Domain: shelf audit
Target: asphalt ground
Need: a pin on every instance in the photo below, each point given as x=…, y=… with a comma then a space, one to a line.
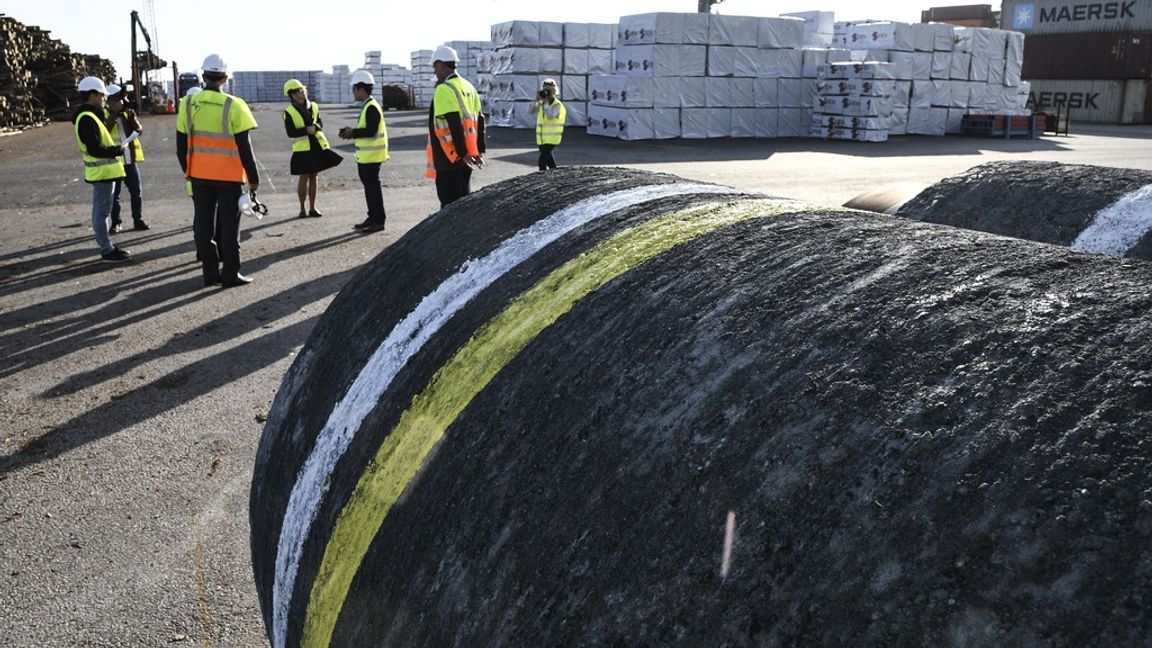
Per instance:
x=132, y=398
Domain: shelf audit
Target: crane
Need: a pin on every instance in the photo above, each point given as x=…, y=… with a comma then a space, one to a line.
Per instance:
x=143, y=61
x=705, y=6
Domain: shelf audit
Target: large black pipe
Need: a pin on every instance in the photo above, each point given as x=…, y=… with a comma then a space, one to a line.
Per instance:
x=783, y=426
x=1105, y=210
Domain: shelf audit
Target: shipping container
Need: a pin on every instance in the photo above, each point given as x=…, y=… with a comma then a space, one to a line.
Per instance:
x=1075, y=16
x=1093, y=100
x=1103, y=55
x=965, y=15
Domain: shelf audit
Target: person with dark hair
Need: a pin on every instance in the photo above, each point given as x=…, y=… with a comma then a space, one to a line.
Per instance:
x=215, y=153
x=103, y=166
x=550, y=117
x=456, y=142
x=371, y=138
x=122, y=122
x=311, y=152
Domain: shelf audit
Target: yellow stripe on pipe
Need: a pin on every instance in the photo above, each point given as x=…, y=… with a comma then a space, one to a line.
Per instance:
x=455, y=384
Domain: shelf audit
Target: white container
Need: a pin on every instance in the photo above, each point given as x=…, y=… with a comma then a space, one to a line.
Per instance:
x=650, y=28
x=738, y=31
x=621, y=91
x=516, y=33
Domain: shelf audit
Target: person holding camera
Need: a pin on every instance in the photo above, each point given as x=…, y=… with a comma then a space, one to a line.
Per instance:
x=122, y=122
x=550, y=116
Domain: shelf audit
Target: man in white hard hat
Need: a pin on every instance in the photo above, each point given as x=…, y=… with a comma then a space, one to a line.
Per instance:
x=213, y=149
x=550, y=117
x=122, y=122
x=455, y=129
x=103, y=163
x=371, y=137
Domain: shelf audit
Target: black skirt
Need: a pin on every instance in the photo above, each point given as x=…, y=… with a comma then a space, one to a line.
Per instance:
x=314, y=160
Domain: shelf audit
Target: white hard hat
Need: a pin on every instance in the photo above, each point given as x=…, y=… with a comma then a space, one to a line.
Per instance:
x=214, y=64
x=92, y=83
x=445, y=53
x=191, y=91
x=548, y=81
x=363, y=76
x=113, y=89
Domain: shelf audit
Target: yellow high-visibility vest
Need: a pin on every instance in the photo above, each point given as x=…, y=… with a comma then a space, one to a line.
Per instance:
x=97, y=169
x=550, y=122
x=375, y=148
x=301, y=143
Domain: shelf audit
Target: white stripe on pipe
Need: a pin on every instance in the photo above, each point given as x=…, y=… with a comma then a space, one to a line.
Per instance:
x=1118, y=228
x=404, y=341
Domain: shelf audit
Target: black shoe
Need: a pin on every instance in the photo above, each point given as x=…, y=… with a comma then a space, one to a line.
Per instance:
x=302, y=214
x=116, y=228
x=140, y=226
x=312, y=213
x=238, y=280
x=212, y=281
x=369, y=226
x=116, y=256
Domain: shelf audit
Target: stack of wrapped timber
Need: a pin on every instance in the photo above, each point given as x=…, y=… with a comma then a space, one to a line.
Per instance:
x=38, y=76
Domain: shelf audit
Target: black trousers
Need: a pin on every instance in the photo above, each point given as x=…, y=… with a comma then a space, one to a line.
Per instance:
x=373, y=194
x=452, y=185
x=546, y=160
x=217, y=213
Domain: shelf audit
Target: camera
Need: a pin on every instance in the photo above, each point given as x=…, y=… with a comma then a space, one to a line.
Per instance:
x=543, y=94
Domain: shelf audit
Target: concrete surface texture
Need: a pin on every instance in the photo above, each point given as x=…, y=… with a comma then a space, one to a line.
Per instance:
x=132, y=398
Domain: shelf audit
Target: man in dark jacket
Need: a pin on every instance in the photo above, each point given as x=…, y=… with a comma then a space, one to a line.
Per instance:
x=103, y=163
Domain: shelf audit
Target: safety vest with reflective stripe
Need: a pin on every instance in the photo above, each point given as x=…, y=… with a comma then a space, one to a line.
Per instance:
x=454, y=94
x=137, y=149
x=371, y=149
x=550, y=122
x=98, y=169
x=301, y=143
x=212, y=120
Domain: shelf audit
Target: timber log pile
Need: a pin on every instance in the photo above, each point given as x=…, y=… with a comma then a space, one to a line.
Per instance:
x=38, y=76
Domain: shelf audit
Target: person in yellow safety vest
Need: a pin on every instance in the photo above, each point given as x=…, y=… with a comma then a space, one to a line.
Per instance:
x=215, y=153
x=180, y=107
x=371, y=139
x=122, y=122
x=550, y=116
x=456, y=142
x=311, y=152
x=103, y=165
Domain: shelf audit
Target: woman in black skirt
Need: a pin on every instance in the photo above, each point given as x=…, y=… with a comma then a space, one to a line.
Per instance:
x=310, y=151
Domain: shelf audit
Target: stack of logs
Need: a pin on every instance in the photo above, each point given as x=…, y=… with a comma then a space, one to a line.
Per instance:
x=38, y=76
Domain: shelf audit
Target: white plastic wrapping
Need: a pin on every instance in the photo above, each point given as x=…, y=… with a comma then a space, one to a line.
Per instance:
x=746, y=62
x=941, y=65
x=791, y=95
x=882, y=36
x=621, y=91
x=923, y=37
x=943, y=36
x=693, y=61
x=902, y=96
x=961, y=61
x=813, y=58
x=574, y=87
x=958, y=98
x=739, y=31
x=743, y=122
x=718, y=122
x=514, y=87
x=623, y=123
x=517, y=60
x=941, y=93
x=1012, y=69
x=697, y=27
x=516, y=33
x=978, y=96
x=721, y=61
x=693, y=93
x=718, y=91
x=818, y=27
x=791, y=123
x=513, y=114
x=694, y=123
x=904, y=65
x=552, y=60
x=577, y=114
x=551, y=34
x=601, y=35
x=575, y=61
x=953, y=123
x=849, y=121
x=765, y=125
x=963, y=39
x=576, y=35
x=780, y=33
x=808, y=93
x=666, y=123
x=978, y=68
x=923, y=92
x=766, y=92
x=927, y=121
x=601, y=61
x=743, y=93
x=650, y=28
x=898, y=122
x=1014, y=48
x=996, y=72
x=648, y=60
x=666, y=92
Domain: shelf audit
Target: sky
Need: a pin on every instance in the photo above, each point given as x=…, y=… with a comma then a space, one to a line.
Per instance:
x=256, y=36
